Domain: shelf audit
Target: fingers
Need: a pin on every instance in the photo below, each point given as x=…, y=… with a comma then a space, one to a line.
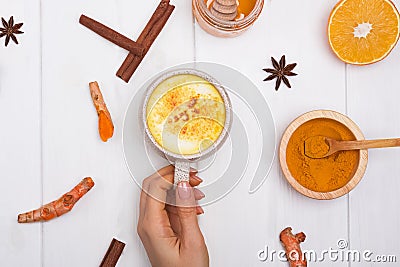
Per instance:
x=173, y=210
x=146, y=184
x=186, y=207
x=157, y=196
x=199, y=210
x=174, y=221
x=154, y=190
x=194, y=180
x=198, y=195
x=163, y=171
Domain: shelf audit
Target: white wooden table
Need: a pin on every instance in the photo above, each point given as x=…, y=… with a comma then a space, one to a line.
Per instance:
x=49, y=141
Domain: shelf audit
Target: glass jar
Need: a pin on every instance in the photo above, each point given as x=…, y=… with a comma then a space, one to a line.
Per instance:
x=223, y=28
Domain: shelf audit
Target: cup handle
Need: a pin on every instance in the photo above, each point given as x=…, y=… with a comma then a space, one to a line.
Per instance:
x=182, y=169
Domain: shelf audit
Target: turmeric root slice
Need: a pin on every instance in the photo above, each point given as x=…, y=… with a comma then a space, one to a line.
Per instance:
x=106, y=126
x=58, y=207
x=291, y=244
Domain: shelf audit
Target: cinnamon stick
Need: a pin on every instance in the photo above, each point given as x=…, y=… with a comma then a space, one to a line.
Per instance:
x=146, y=38
x=112, y=36
x=113, y=253
x=157, y=14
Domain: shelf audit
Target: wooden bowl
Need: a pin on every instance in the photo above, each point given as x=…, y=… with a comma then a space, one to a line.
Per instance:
x=323, y=114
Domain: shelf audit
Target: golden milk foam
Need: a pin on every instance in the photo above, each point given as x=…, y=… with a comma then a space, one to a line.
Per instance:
x=185, y=114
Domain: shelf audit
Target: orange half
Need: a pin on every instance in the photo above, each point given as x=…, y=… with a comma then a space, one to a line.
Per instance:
x=363, y=31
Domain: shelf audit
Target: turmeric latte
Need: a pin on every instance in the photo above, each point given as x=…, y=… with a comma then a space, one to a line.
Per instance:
x=322, y=174
x=185, y=114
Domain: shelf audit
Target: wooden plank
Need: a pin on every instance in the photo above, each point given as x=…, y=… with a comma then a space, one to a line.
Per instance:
x=74, y=56
x=373, y=104
x=20, y=136
x=246, y=223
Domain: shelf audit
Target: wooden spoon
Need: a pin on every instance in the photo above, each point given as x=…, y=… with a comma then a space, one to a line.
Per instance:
x=224, y=9
x=320, y=146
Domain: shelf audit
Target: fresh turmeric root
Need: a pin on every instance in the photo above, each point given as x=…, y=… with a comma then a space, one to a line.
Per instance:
x=58, y=207
x=106, y=126
x=291, y=244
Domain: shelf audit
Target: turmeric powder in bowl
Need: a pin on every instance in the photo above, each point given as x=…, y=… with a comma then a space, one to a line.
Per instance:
x=326, y=178
x=325, y=174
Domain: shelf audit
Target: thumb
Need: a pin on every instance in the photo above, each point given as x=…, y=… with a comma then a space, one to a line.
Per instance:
x=186, y=207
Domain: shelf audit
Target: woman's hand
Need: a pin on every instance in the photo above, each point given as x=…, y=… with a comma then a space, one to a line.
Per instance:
x=171, y=233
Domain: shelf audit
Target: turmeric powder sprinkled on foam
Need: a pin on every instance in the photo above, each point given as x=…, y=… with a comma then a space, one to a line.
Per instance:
x=325, y=174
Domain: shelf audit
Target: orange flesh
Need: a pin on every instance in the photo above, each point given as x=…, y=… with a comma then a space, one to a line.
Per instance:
x=363, y=31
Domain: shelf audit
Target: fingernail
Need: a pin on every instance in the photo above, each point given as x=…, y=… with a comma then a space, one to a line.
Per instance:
x=198, y=194
x=184, y=190
x=193, y=169
x=202, y=195
x=199, y=210
x=197, y=178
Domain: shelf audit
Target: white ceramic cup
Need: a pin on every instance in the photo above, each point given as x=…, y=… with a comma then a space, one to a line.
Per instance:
x=182, y=162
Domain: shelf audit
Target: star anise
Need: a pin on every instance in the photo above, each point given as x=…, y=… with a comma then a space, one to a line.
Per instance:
x=10, y=30
x=280, y=71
